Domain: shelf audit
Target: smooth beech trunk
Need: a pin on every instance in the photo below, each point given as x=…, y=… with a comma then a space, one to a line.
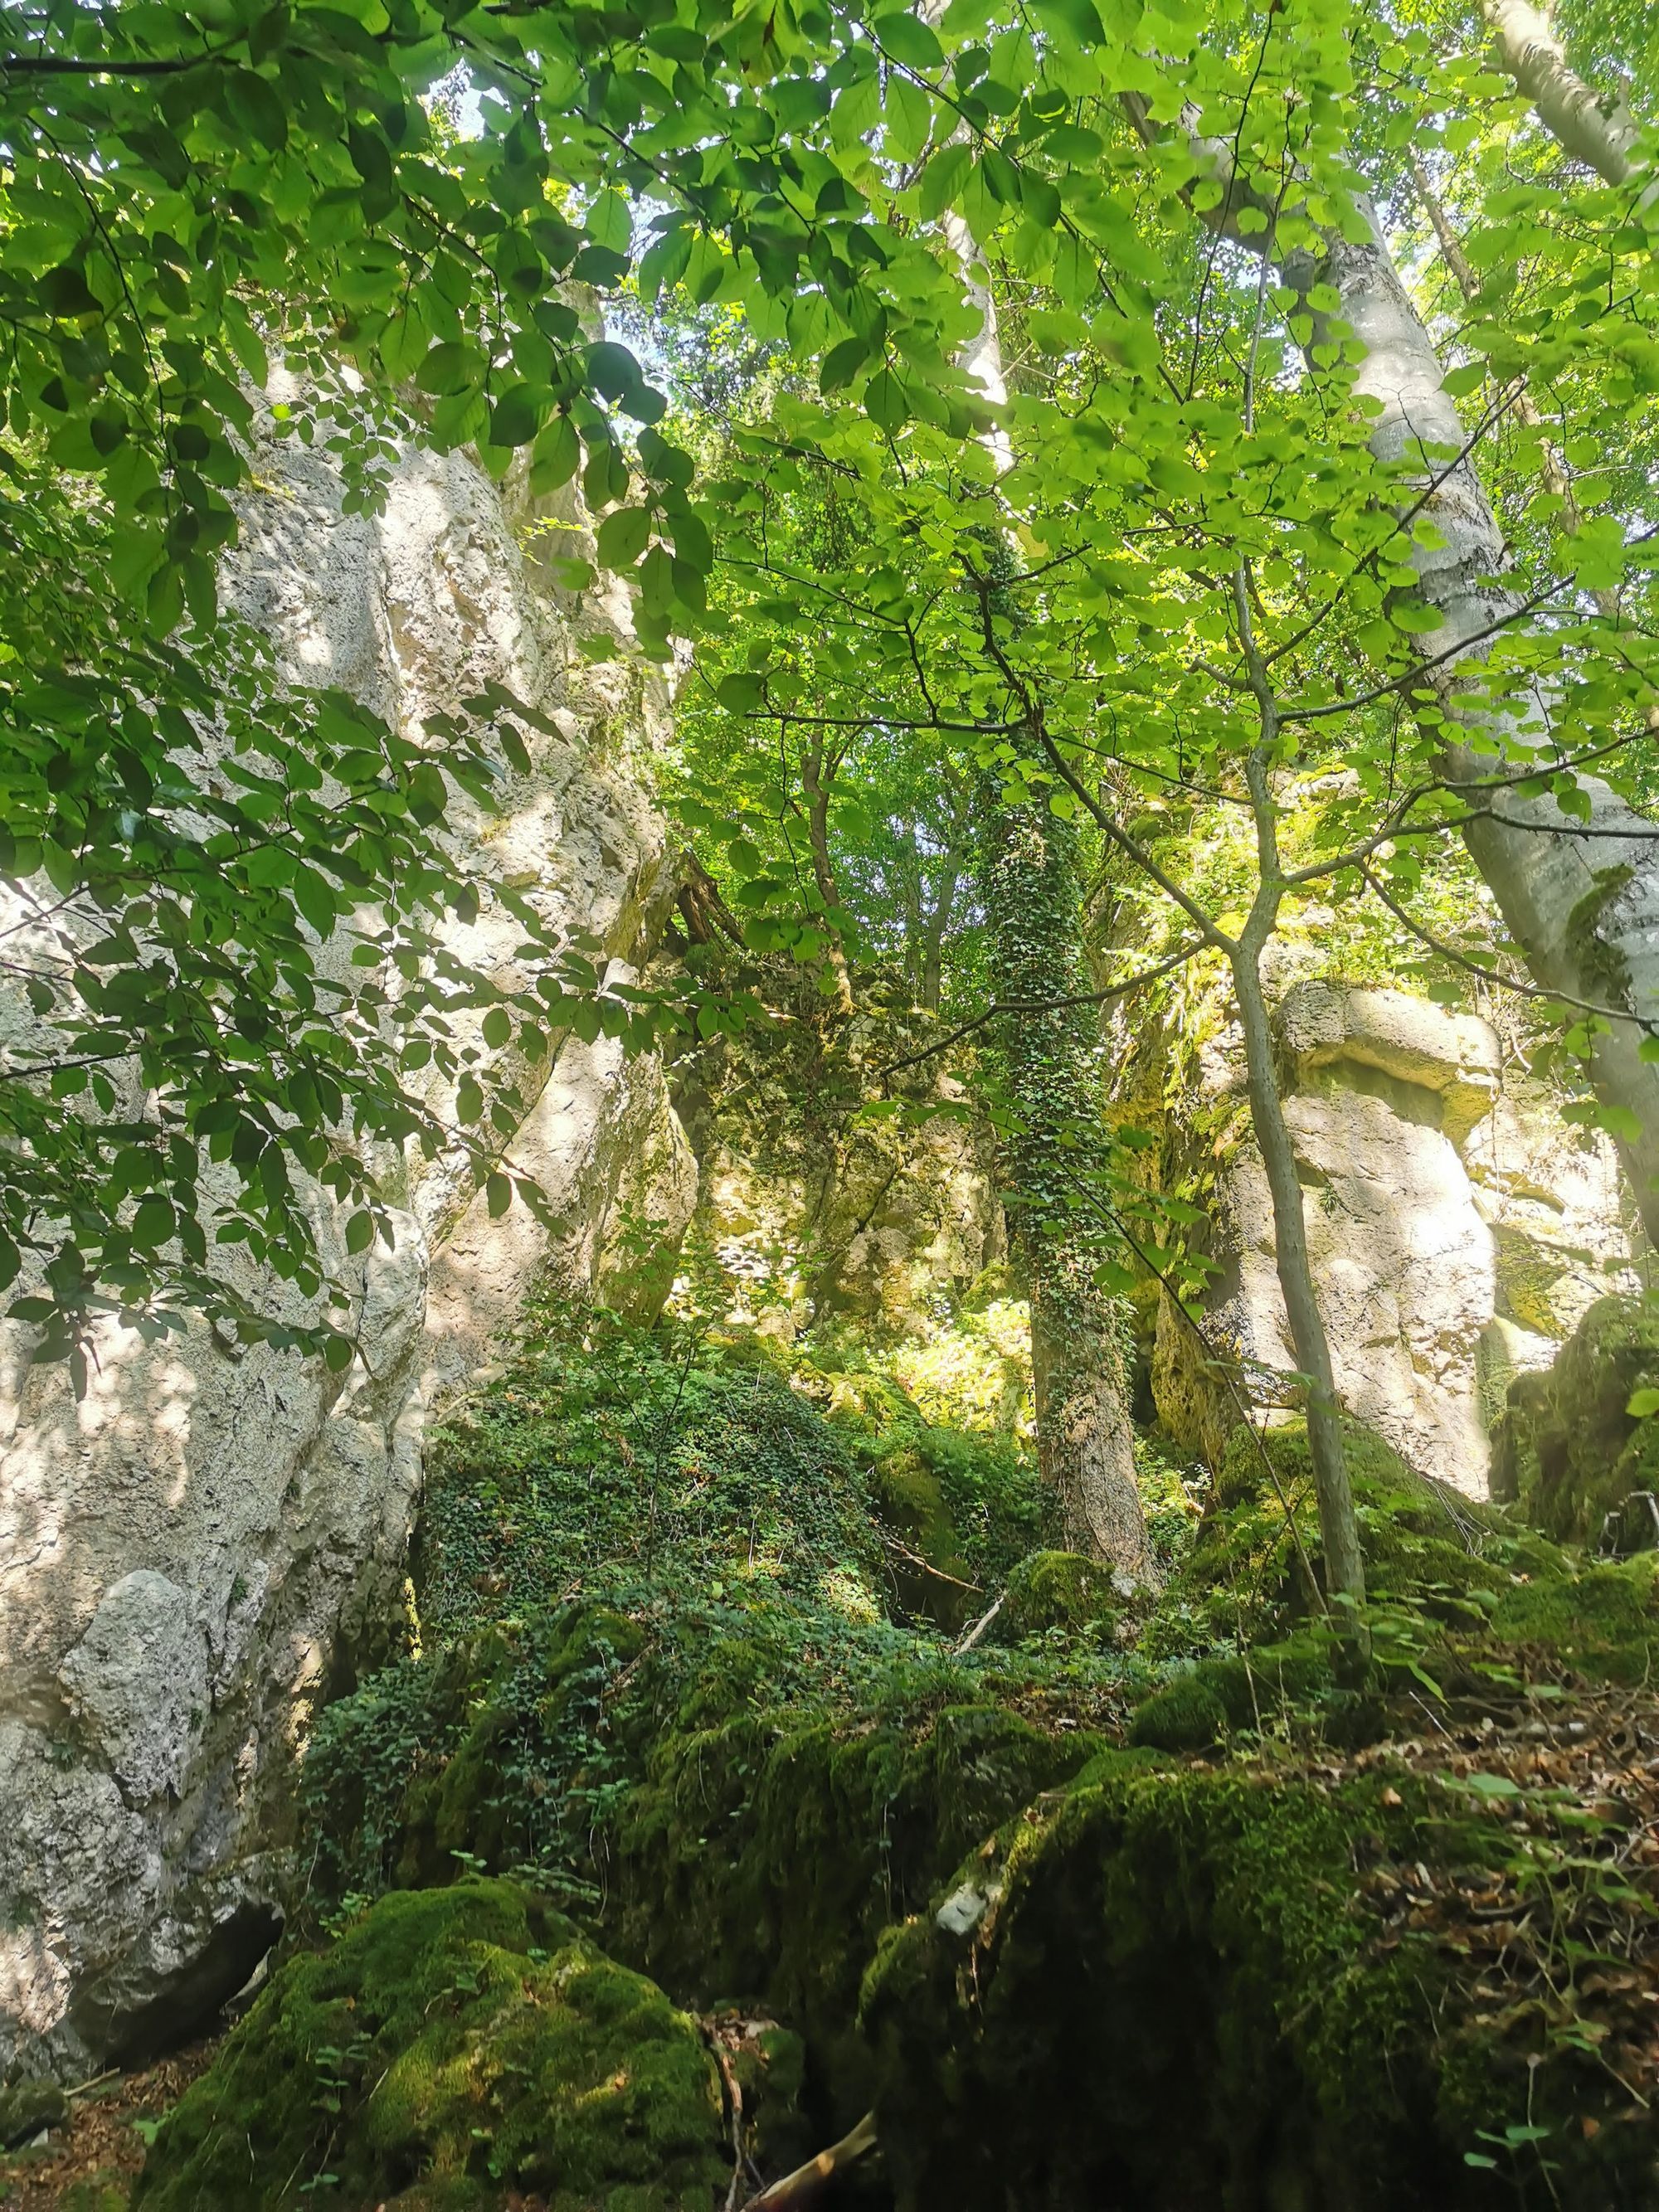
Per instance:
x=1583, y=907
x=1598, y=132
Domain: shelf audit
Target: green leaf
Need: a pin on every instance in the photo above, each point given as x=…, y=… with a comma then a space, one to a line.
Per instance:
x=1643, y=1404
x=741, y=691
x=907, y=40
x=154, y=1222
x=498, y=1195
x=517, y=414
x=1460, y=382
x=622, y=536
x=942, y=179
x=360, y=1231
x=885, y=401
x=554, y=456
x=610, y=224
x=843, y=363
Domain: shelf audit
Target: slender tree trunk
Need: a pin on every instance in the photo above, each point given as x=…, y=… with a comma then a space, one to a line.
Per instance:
x=824, y=873
x=1055, y=1146
x=1339, y=1526
x=933, y=940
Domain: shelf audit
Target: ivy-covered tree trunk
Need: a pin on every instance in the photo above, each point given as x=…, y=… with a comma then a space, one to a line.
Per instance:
x=1056, y=1146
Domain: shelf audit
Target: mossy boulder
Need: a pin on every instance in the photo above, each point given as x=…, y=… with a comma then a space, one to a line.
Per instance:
x=1424, y=1542
x=765, y=1865
x=1601, y=1621
x=460, y=2046
x=1246, y=1690
x=1185, y=1715
x=1171, y=1987
x=1565, y=1448
x=26, y=2107
x=1060, y=1590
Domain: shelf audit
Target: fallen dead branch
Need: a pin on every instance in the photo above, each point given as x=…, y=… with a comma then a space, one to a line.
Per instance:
x=807, y=2183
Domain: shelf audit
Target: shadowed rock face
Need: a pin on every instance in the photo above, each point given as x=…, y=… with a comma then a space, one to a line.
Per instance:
x=196, y=1553
x=1458, y=1230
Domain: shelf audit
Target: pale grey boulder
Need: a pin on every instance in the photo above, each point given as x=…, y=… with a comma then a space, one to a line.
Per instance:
x=1457, y=1226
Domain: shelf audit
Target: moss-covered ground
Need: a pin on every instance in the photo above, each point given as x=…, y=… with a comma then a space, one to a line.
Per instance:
x=1112, y=1898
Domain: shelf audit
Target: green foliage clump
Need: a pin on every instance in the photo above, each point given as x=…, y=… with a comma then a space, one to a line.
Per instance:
x=466, y=2043
x=608, y=1456
x=717, y=1543
x=970, y=1506
x=1060, y=1590
x=500, y=1751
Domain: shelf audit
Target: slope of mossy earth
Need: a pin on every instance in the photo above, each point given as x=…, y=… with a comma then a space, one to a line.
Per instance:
x=1108, y=1900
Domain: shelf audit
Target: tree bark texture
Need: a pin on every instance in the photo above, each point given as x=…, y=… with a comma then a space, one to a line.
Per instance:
x=1583, y=908
x=1338, y=1528
x=817, y=793
x=1027, y=880
x=1598, y=132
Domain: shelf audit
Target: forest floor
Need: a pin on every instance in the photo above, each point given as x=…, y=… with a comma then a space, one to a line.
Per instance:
x=88, y=2164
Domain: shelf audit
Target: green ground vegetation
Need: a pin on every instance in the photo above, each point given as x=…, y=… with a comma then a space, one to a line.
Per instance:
x=672, y=1684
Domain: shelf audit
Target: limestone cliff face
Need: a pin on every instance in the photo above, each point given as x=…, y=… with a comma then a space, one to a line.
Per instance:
x=190, y=1555
x=1458, y=1229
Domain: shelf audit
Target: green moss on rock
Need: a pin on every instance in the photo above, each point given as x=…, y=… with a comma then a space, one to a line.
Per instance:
x=1058, y=1591
x=1166, y=1988
x=1565, y=1448
x=26, y=2107
x=1253, y=1690
x=456, y=2045
x=1602, y=1621
x=1425, y=1544
x=1185, y=1715
x=767, y=1866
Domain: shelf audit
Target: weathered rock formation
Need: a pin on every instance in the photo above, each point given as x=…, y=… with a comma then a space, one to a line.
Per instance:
x=191, y=1556
x=828, y=1188
x=1458, y=1228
